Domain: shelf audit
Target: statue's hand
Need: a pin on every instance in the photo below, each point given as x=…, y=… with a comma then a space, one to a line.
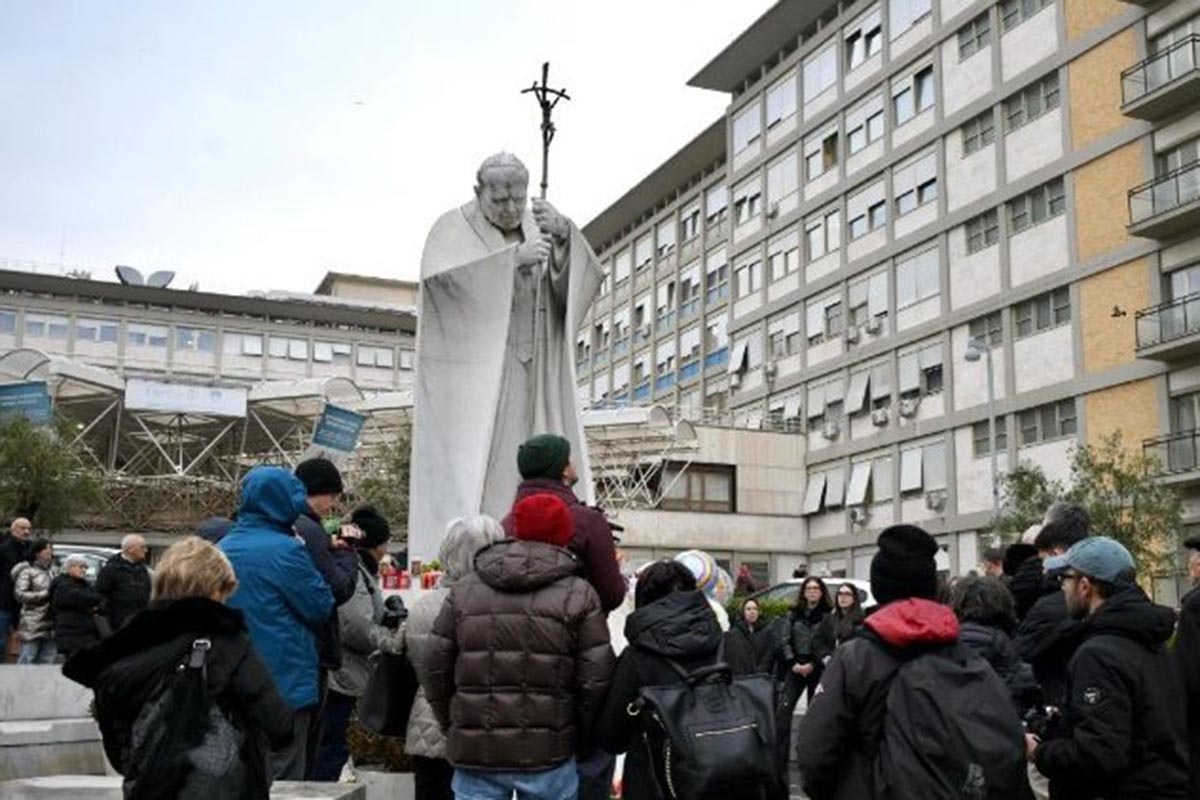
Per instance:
x=550, y=221
x=534, y=251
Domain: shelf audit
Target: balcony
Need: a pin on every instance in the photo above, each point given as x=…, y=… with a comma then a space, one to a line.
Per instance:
x=666, y=321
x=641, y=392
x=1167, y=205
x=1164, y=83
x=664, y=382
x=1177, y=454
x=689, y=308
x=689, y=370
x=1171, y=331
x=717, y=358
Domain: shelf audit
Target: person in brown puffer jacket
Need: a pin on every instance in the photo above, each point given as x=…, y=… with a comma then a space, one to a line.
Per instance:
x=520, y=661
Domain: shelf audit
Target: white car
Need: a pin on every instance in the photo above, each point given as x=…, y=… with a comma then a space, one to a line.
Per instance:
x=96, y=556
x=789, y=590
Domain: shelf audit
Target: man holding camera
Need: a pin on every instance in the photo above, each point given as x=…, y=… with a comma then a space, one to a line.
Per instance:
x=1121, y=733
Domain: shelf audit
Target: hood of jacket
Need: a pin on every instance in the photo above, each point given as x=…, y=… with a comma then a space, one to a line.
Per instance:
x=518, y=566
x=273, y=496
x=914, y=623
x=1130, y=614
x=681, y=625
x=159, y=623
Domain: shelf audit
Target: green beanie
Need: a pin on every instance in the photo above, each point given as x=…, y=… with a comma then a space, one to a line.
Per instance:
x=543, y=456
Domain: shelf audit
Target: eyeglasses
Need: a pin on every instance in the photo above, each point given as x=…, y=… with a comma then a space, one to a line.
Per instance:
x=1063, y=577
x=845, y=594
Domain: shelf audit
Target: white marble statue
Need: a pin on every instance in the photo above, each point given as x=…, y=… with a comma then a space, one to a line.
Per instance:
x=504, y=289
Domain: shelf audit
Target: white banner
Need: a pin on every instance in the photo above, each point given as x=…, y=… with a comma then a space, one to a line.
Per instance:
x=183, y=398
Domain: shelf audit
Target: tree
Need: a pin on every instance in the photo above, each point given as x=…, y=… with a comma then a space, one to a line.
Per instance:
x=383, y=481
x=41, y=478
x=1117, y=488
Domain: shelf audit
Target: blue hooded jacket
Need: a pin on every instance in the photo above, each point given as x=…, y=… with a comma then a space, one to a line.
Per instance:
x=280, y=592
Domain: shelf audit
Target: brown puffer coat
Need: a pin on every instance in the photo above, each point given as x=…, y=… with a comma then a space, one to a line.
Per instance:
x=520, y=661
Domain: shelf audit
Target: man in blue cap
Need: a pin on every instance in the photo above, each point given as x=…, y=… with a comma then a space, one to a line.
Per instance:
x=1122, y=731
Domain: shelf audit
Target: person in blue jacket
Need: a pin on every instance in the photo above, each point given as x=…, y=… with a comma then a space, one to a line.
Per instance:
x=283, y=597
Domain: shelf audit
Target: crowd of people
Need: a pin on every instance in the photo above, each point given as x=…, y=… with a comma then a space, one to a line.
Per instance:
x=1051, y=674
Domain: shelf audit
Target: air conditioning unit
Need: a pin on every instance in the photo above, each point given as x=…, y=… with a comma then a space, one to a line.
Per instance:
x=830, y=429
x=874, y=326
x=851, y=335
x=879, y=417
x=735, y=380
x=908, y=407
x=858, y=515
x=935, y=500
x=770, y=370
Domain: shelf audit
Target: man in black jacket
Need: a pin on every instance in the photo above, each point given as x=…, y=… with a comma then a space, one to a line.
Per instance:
x=1043, y=638
x=1187, y=646
x=124, y=582
x=14, y=549
x=338, y=565
x=1122, y=724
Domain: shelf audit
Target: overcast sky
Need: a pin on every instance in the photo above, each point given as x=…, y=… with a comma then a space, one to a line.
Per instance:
x=255, y=145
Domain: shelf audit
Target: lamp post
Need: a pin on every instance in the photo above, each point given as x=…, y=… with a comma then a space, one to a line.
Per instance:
x=978, y=348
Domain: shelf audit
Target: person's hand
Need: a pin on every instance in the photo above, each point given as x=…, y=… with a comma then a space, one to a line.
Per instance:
x=805, y=670
x=1031, y=745
x=534, y=252
x=549, y=220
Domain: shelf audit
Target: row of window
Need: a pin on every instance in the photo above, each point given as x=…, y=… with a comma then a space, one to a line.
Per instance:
x=1035, y=425
x=871, y=481
x=202, y=340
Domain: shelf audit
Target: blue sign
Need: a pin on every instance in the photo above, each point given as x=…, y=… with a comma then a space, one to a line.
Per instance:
x=338, y=429
x=30, y=400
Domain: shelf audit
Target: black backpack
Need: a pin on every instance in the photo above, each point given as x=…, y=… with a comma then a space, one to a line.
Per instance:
x=710, y=734
x=950, y=733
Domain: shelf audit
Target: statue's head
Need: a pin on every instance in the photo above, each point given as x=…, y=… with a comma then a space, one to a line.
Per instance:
x=501, y=187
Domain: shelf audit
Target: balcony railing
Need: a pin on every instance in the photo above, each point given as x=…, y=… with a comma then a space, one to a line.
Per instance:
x=1176, y=452
x=689, y=308
x=1160, y=69
x=664, y=382
x=689, y=370
x=641, y=391
x=666, y=321
x=717, y=358
x=716, y=294
x=1169, y=321
x=1164, y=194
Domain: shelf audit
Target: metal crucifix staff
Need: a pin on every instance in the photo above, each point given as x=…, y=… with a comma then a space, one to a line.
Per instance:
x=547, y=98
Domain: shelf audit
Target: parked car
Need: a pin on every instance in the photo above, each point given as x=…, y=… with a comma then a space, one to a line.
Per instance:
x=96, y=556
x=789, y=590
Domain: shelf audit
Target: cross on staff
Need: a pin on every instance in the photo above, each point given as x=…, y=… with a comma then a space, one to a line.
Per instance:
x=547, y=98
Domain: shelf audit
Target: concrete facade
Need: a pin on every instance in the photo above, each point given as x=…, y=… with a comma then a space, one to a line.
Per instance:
x=1023, y=207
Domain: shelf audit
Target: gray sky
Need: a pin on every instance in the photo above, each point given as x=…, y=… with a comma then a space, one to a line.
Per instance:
x=254, y=145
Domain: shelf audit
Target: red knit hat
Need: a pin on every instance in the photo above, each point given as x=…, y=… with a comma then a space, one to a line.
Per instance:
x=543, y=518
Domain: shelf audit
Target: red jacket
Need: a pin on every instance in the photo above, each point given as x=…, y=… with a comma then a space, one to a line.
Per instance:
x=593, y=542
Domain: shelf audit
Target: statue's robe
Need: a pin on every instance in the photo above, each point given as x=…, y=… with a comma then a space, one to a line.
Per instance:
x=495, y=365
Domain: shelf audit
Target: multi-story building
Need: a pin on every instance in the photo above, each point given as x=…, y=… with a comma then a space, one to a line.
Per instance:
x=895, y=186
x=146, y=331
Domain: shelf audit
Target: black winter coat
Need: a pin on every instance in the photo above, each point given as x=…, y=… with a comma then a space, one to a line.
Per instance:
x=997, y=648
x=126, y=668
x=12, y=552
x=1123, y=726
x=680, y=628
x=1027, y=585
x=839, y=734
x=758, y=647
x=800, y=646
x=833, y=631
x=1187, y=647
x=1045, y=642
x=125, y=587
x=75, y=605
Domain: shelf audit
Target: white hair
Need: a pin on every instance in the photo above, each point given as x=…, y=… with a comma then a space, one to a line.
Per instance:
x=501, y=160
x=131, y=540
x=464, y=538
x=73, y=559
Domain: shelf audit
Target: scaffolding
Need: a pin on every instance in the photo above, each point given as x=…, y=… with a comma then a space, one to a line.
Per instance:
x=629, y=447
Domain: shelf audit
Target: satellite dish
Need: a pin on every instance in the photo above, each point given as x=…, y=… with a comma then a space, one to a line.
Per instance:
x=130, y=276
x=161, y=279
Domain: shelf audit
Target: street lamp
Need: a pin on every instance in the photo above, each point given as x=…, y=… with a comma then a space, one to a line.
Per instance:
x=978, y=348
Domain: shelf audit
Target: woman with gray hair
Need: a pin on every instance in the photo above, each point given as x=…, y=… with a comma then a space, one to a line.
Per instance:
x=426, y=741
x=76, y=607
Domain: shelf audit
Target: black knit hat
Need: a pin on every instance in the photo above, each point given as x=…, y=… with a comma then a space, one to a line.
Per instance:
x=375, y=528
x=543, y=456
x=319, y=476
x=904, y=567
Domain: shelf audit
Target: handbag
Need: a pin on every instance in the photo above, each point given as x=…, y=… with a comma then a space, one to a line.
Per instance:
x=388, y=698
